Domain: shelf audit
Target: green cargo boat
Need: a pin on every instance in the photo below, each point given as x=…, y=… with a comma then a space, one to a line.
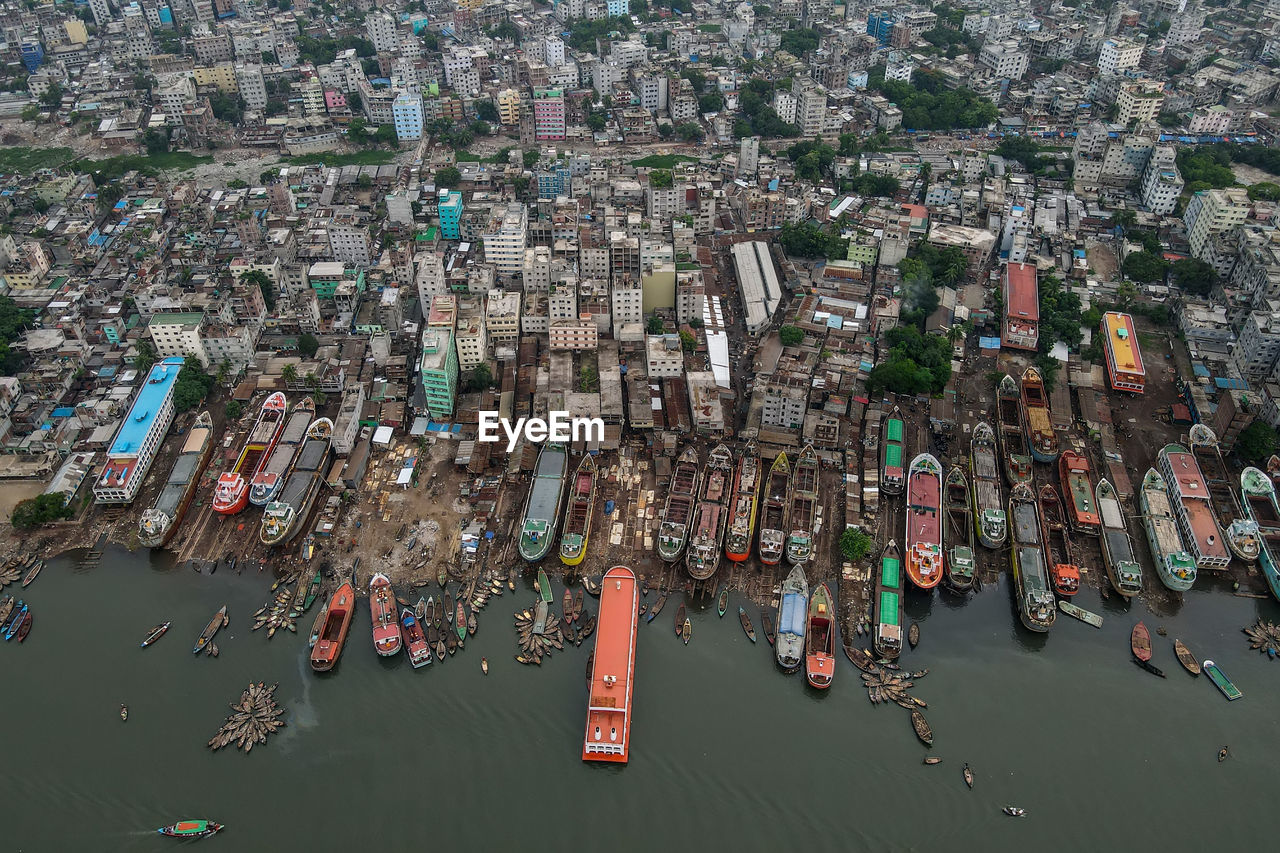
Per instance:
x=190, y=829
x=544, y=586
x=888, y=632
x=1221, y=681
x=542, y=508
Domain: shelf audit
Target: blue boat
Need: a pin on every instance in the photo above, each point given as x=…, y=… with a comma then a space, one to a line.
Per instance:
x=12, y=628
x=1258, y=500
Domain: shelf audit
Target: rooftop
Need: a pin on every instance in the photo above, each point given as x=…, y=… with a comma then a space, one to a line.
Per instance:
x=142, y=413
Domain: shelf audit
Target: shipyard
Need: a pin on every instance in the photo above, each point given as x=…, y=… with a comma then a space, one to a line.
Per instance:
x=638, y=398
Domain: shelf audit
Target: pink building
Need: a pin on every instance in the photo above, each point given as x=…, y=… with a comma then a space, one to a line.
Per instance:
x=548, y=114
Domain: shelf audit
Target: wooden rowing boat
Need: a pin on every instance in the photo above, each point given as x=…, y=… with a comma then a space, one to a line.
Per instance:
x=155, y=633
x=24, y=627
x=921, y=725
x=722, y=604
x=31, y=575
x=1140, y=642
x=657, y=608
x=1185, y=658
x=680, y=619
x=591, y=585
x=577, y=605
x=568, y=605
x=746, y=624
x=686, y=632
x=766, y=621
x=913, y=634
x=1080, y=613
x=544, y=586
x=317, y=625
x=218, y=620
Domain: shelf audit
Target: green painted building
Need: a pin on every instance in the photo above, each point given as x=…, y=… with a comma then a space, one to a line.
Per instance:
x=439, y=372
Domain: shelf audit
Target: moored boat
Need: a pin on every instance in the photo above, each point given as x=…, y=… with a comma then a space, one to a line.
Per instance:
x=887, y=639
x=891, y=455
x=747, y=627
x=742, y=511
x=1078, y=493
x=15, y=622
x=333, y=631
x=773, y=521
x=803, y=515
x=382, y=610
x=1080, y=613
x=612, y=671
x=1036, y=421
x=160, y=521
x=155, y=633
x=820, y=639
x=1192, y=508
x=1185, y=657
x=1063, y=571
x=793, y=608
x=578, y=512
x=1031, y=579
x=959, y=559
x=542, y=506
x=1258, y=497
x=286, y=516
x=678, y=510
x=232, y=491
x=988, y=508
x=215, y=625
x=924, y=527
x=1140, y=641
x=1013, y=441
x=1241, y=533
x=415, y=641
x=1221, y=681
x=1174, y=566
x=703, y=555
x=1122, y=565
x=318, y=625
x=269, y=479
x=190, y=829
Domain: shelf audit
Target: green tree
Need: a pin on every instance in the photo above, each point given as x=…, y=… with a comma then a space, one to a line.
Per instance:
x=530, y=158
x=712, y=102
x=688, y=342
x=665, y=130
x=1256, y=442
x=486, y=111
x=855, y=545
x=386, y=135
x=289, y=373
x=1265, y=191
x=52, y=97
x=35, y=512
x=263, y=283
x=1193, y=275
x=30, y=112
x=791, y=336
x=144, y=355
x=308, y=345
x=690, y=131
x=234, y=410
x=481, y=377
x=192, y=385
x=448, y=177
x=1145, y=267
x=654, y=325
x=661, y=178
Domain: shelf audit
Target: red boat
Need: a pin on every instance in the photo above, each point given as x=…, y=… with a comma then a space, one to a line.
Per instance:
x=414, y=640
x=232, y=492
x=613, y=664
x=924, y=522
x=382, y=607
x=333, y=632
x=1077, y=490
x=820, y=640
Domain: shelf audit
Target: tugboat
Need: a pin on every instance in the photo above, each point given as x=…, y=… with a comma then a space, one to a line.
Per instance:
x=1259, y=498
x=1117, y=549
x=1013, y=442
x=1077, y=493
x=190, y=829
x=820, y=638
x=773, y=523
x=988, y=507
x=232, y=492
x=924, y=522
x=542, y=507
x=742, y=520
x=703, y=556
x=891, y=476
x=959, y=561
x=161, y=520
x=1063, y=571
x=1241, y=532
x=382, y=609
x=578, y=512
x=1035, y=600
x=1036, y=422
x=677, y=513
x=793, y=606
x=888, y=635
x=804, y=507
x=1174, y=566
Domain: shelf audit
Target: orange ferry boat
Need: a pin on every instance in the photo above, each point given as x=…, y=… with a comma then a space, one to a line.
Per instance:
x=613, y=663
x=333, y=633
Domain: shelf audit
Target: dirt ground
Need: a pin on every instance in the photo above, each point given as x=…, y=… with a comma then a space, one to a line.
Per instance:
x=1102, y=260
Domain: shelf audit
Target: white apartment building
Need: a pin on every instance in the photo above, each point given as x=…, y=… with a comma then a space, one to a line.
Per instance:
x=749, y=155
x=504, y=239
x=380, y=27
x=627, y=301
x=178, y=335
x=1118, y=56
x=573, y=335
x=502, y=317
x=1161, y=183
x=1258, y=345
x=1139, y=102
x=1006, y=59
x=253, y=89
x=471, y=340
x=784, y=104
x=663, y=356
x=537, y=269
x=1212, y=212
x=349, y=243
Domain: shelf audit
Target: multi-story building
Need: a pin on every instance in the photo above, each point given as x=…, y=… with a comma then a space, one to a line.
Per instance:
x=1257, y=345
x=349, y=242
x=508, y=103
x=1139, y=101
x=505, y=238
x=1215, y=119
x=784, y=404
x=438, y=372
x=134, y=447
x=811, y=106
x=471, y=340
x=1118, y=56
x=749, y=156
x=1213, y=212
x=178, y=335
x=252, y=86
x=406, y=113
x=450, y=210
x=381, y=28
x=1006, y=59
x=548, y=115
x=1161, y=183
x=502, y=318
x=664, y=356
x=573, y=335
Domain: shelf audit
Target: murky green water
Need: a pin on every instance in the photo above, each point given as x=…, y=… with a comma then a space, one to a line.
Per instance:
x=726, y=749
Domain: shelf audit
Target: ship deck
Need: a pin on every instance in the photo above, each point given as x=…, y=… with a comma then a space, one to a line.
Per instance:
x=679, y=510
x=716, y=486
x=296, y=488
x=262, y=432
x=544, y=494
x=608, y=730
x=1081, y=505
x=806, y=479
x=1160, y=521
x=170, y=498
x=1025, y=529
x=312, y=455
x=1119, y=546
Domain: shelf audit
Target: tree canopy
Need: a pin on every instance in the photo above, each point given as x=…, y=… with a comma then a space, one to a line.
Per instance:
x=791, y=335
x=1256, y=442
x=34, y=512
x=855, y=545
x=916, y=363
x=1193, y=275
x=1145, y=267
x=807, y=240
x=192, y=385
x=927, y=104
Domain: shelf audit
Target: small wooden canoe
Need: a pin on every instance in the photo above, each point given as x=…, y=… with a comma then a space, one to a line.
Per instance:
x=484, y=665
x=686, y=632
x=448, y=606
x=766, y=620
x=746, y=624
x=921, y=725
x=722, y=604
x=588, y=627
x=577, y=605
x=420, y=611
x=680, y=620
x=591, y=585
x=460, y=621
x=24, y=627
x=318, y=625
x=968, y=776
x=657, y=608
x=218, y=620
x=155, y=633
x=568, y=605
x=313, y=590
x=124, y=713
x=31, y=575
x=591, y=659
x=931, y=760
x=544, y=586
x=1188, y=660
x=1080, y=613
x=1140, y=642
x=913, y=634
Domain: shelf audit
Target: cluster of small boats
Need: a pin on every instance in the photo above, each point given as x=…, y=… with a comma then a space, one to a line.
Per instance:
x=20, y=568
x=253, y=719
x=15, y=617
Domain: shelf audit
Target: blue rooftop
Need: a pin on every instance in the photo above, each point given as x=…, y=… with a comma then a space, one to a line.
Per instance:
x=143, y=411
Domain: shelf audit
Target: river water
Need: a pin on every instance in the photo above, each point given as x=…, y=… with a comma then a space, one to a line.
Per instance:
x=726, y=749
